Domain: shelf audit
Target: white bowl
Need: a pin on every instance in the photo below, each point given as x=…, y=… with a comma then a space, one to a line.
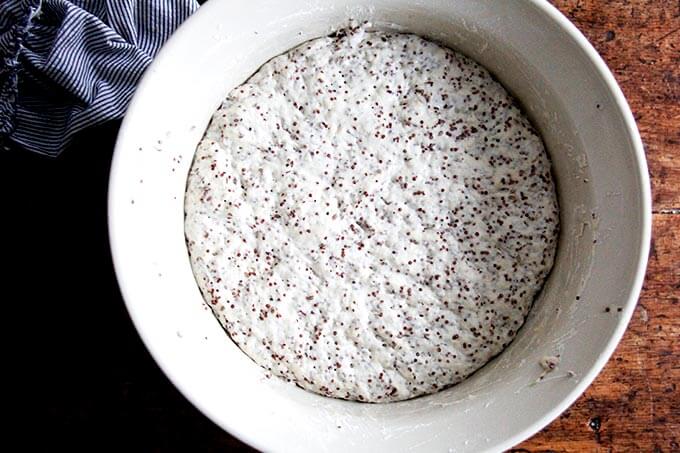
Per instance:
x=604, y=196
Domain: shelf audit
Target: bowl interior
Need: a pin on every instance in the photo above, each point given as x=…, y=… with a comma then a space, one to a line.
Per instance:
x=603, y=194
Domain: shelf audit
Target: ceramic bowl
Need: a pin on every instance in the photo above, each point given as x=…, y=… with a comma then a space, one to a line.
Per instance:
x=581, y=314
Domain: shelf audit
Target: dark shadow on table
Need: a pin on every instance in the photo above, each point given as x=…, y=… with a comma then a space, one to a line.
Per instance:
x=77, y=365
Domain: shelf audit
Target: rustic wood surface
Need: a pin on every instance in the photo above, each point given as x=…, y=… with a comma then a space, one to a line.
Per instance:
x=634, y=404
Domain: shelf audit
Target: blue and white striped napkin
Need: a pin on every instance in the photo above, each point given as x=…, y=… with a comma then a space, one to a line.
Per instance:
x=69, y=64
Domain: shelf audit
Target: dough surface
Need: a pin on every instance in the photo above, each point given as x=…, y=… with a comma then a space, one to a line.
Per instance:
x=371, y=216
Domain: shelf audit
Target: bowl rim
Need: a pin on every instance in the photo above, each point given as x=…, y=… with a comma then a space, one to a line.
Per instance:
x=586, y=380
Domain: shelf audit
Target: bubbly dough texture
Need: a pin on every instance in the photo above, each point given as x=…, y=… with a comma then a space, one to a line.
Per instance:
x=370, y=216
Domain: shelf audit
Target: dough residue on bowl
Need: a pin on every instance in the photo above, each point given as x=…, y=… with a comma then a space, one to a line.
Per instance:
x=371, y=216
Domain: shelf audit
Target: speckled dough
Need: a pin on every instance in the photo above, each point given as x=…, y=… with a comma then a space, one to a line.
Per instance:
x=370, y=216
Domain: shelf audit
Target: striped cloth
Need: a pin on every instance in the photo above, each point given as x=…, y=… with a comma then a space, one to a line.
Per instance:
x=69, y=64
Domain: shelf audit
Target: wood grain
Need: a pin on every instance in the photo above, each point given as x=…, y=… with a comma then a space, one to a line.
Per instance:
x=634, y=404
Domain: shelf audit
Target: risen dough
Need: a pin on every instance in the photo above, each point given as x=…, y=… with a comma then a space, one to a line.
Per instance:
x=371, y=216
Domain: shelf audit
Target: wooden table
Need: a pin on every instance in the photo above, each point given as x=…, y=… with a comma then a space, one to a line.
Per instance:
x=634, y=404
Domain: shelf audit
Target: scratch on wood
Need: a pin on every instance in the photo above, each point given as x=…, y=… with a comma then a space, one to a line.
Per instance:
x=667, y=211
